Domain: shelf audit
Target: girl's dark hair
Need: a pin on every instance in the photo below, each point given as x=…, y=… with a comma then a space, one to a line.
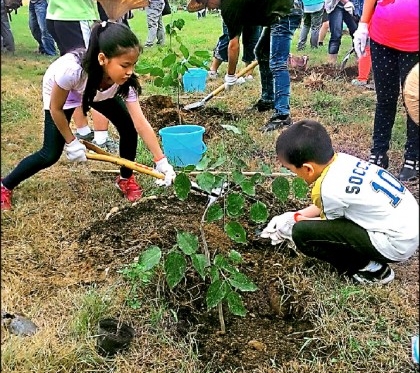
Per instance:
x=304, y=141
x=112, y=39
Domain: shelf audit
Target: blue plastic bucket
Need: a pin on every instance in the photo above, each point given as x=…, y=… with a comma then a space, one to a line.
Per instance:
x=194, y=79
x=183, y=144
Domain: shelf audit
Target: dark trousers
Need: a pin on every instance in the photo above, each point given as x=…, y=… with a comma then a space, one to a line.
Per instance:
x=114, y=109
x=390, y=69
x=340, y=242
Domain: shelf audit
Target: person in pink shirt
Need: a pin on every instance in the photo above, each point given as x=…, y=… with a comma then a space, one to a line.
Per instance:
x=393, y=29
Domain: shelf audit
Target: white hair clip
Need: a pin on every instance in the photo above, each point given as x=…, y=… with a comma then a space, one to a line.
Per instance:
x=103, y=24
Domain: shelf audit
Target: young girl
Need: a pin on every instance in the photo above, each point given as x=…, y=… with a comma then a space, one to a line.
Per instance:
x=101, y=77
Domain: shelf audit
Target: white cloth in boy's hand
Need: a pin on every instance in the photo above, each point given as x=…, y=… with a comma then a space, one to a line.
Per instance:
x=75, y=151
x=165, y=168
x=279, y=228
x=349, y=7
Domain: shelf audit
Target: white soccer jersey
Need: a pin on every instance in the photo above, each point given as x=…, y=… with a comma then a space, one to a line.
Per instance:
x=374, y=199
x=67, y=72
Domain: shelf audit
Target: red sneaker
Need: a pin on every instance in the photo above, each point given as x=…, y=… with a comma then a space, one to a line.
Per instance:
x=129, y=188
x=6, y=198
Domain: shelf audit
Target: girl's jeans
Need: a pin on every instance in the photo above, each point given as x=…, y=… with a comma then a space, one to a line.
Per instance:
x=272, y=52
x=114, y=109
x=390, y=69
x=336, y=18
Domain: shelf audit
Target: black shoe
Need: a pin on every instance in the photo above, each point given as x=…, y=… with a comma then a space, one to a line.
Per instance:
x=261, y=105
x=382, y=276
x=380, y=160
x=409, y=171
x=277, y=121
x=89, y=137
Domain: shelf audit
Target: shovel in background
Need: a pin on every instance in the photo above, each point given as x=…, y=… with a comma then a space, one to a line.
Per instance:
x=200, y=104
x=346, y=58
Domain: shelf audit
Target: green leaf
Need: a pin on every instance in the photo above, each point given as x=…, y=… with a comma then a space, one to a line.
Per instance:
x=234, y=129
x=235, y=257
x=222, y=263
x=235, y=304
x=150, y=258
x=248, y=187
x=242, y=282
x=193, y=60
x=184, y=50
x=238, y=177
x=259, y=212
x=214, y=212
x=205, y=55
x=203, y=164
x=257, y=178
x=240, y=164
x=266, y=169
x=300, y=188
x=168, y=81
x=187, y=242
x=199, y=262
x=143, y=69
x=179, y=23
x=206, y=181
x=234, y=204
x=157, y=71
x=215, y=293
x=235, y=232
x=175, y=267
x=158, y=82
x=169, y=60
x=182, y=186
x=219, y=161
x=214, y=273
x=281, y=188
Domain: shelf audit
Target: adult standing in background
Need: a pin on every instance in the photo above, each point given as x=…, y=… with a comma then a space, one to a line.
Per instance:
x=69, y=23
x=38, y=27
x=155, y=23
x=313, y=11
x=339, y=11
x=7, y=40
x=393, y=29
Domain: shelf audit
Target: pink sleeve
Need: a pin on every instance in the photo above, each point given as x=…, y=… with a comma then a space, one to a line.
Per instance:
x=132, y=95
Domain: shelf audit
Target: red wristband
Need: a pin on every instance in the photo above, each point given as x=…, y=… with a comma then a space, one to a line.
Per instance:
x=296, y=215
x=159, y=159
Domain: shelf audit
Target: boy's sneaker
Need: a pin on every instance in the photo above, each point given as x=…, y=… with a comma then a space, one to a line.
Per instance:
x=277, y=121
x=380, y=160
x=88, y=137
x=409, y=171
x=6, y=198
x=129, y=188
x=359, y=83
x=109, y=145
x=382, y=276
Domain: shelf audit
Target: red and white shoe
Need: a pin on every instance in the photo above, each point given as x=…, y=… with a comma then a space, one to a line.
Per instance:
x=6, y=198
x=129, y=188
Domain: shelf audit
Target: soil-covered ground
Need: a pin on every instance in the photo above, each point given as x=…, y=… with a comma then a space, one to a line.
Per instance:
x=274, y=329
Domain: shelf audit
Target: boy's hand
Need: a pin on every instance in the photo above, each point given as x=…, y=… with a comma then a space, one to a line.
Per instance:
x=279, y=228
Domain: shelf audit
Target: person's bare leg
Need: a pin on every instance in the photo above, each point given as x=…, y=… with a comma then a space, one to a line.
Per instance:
x=83, y=130
x=100, y=127
x=323, y=32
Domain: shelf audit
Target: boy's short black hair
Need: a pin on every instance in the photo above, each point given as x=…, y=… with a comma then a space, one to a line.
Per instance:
x=304, y=141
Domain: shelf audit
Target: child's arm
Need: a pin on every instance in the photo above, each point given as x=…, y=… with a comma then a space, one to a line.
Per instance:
x=145, y=130
x=58, y=99
x=311, y=212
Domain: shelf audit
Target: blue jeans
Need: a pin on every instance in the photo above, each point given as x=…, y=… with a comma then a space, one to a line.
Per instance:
x=336, y=19
x=272, y=52
x=38, y=27
x=250, y=36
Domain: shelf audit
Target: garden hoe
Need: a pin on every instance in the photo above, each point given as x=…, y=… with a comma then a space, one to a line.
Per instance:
x=346, y=58
x=103, y=155
x=200, y=104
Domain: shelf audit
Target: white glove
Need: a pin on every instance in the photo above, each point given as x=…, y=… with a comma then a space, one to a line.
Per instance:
x=75, y=151
x=279, y=228
x=360, y=38
x=230, y=81
x=165, y=168
x=349, y=7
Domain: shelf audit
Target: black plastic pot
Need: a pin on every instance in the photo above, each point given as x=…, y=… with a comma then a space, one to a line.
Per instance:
x=113, y=338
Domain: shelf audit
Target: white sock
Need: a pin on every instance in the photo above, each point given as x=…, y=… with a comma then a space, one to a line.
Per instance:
x=100, y=137
x=371, y=267
x=85, y=130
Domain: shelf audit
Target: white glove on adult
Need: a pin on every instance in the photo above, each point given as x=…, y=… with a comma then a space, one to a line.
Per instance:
x=75, y=151
x=165, y=168
x=349, y=7
x=279, y=228
x=360, y=38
